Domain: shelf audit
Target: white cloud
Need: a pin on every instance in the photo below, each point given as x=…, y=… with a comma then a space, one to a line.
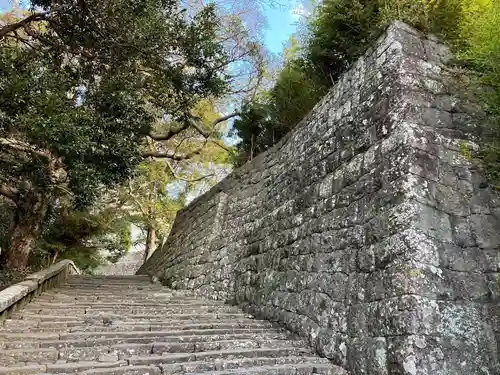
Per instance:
x=299, y=11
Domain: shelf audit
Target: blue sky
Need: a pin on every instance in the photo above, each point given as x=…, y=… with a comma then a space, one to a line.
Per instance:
x=7, y=4
x=281, y=23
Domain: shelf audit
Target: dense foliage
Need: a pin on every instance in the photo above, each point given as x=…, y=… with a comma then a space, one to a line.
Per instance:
x=480, y=35
x=88, y=92
x=80, y=236
x=6, y=216
x=94, y=94
x=340, y=31
x=79, y=97
x=87, y=238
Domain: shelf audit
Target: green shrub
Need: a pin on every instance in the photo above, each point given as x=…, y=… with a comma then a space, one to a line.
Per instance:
x=479, y=46
x=82, y=237
x=257, y=130
x=6, y=219
x=293, y=96
x=340, y=31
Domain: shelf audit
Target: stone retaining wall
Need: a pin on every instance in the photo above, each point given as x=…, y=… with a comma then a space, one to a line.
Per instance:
x=367, y=231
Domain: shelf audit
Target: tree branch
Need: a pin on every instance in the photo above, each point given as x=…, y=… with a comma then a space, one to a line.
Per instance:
x=207, y=133
x=173, y=156
x=191, y=122
x=9, y=193
x=199, y=129
x=225, y=118
x=177, y=177
x=14, y=26
x=24, y=147
x=170, y=134
x=136, y=201
x=221, y=145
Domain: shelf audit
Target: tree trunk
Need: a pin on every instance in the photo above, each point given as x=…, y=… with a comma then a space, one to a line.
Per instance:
x=150, y=242
x=30, y=212
x=55, y=257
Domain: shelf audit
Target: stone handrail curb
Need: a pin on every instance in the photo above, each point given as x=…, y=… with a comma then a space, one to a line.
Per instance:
x=17, y=295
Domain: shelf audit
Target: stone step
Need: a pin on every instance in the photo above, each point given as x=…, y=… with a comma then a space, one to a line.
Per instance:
x=121, y=292
x=240, y=363
x=37, y=305
x=23, y=370
x=103, y=322
x=69, y=286
x=110, y=288
x=142, y=355
x=288, y=369
x=300, y=364
x=46, y=309
x=96, y=334
x=37, y=355
x=50, y=303
x=128, y=326
x=108, y=280
x=141, y=281
x=133, y=302
x=165, y=312
x=217, y=355
x=122, y=335
x=90, y=317
x=68, y=289
x=127, y=370
x=145, y=292
x=294, y=365
x=61, y=368
x=71, y=289
x=117, y=352
x=53, y=341
x=146, y=303
x=111, y=298
x=108, y=320
x=41, y=327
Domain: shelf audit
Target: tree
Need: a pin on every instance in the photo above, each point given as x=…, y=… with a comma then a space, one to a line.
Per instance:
x=269, y=116
x=151, y=207
x=161, y=187
x=6, y=219
x=87, y=237
x=242, y=28
x=336, y=34
x=91, y=102
x=78, y=98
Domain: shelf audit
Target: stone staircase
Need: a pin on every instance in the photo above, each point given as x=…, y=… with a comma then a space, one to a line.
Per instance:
x=127, y=326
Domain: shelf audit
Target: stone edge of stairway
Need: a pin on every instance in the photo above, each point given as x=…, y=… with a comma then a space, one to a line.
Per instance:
x=17, y=295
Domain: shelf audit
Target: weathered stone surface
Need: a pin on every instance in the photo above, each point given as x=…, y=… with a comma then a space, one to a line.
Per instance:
x=366, y=230
x=170, y=329
x=11, y=297
x=23, y=370
x=127, y=265
x=60, y=267
x=15, y=293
